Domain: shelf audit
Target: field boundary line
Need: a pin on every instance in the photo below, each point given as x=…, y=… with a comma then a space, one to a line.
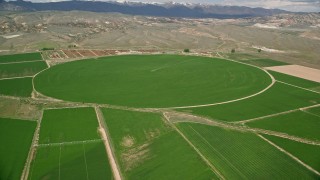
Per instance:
x=290, y=155
x=273, y=115
x=298, y=87
x=32, y=150
x=107, y=142
x=267, y=116
x=201, y=120
x=19, y=62
x=47, y=63
x=214, y=169
x=70, y=143
x=18, y=77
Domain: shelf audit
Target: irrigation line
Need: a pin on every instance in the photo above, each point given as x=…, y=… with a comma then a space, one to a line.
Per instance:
x=19, y=77
x=298, y=87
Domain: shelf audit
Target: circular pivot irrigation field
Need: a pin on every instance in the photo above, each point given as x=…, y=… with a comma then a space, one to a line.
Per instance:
x=151, y=81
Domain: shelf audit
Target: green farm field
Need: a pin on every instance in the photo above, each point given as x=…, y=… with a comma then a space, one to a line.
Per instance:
x=165, y=116
x=21, y=87
x=80, y=161
x=151, y=80
x=21, y=69
x=297, y=123
x=148, y=148
x=264, y=62
x=307, y=153
x=66, y=125
x=20, y=57
x=239, y=155
x=15, y=138
x=280, y=97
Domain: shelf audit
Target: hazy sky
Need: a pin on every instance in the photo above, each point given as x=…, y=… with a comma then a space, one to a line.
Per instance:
x=291, y=5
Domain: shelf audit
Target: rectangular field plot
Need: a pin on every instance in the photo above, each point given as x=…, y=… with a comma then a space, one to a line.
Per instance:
x=279, y=98
x=20, y=57
x=239, y=155
x=295, y=80
x=298, y=123
x=148, y=148
x=309, y=154
x=264, y=62
x=16, y=87
x=21, y=69
x=80, y=161
x=15, y=138
x=298, y=71
x=67, y=125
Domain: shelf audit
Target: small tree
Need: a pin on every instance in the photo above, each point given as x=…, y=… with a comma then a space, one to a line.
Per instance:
x=233, y=50
x=259, y=50
x=186, y=50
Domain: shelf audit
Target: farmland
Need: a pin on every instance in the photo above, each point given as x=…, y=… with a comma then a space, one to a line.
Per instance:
x=309, y=154
x=264, y=62
x=66, y=125
x=242, y=155
x=295, y=123
x=15, y=137
x=20, y=57
x=21, y=87
x=80, y=161
x=167, y=116
x=148, y=148
x=295, y=80
x=21, y=69
x=280, y=97
x=165, y=80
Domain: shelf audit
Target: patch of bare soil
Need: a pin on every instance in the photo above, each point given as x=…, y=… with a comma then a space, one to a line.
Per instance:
x=135, y=156
x=298, y=71
x=127, y=141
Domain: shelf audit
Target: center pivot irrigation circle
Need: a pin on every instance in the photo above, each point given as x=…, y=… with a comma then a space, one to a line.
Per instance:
x=151, y=81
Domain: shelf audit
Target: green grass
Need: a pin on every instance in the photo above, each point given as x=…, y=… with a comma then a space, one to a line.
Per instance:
x=239, y=155
x=148, y=148
x=309, y=154
x=66, y=125
x=20, y=57
x=15, y=138
x=298, y=123
x=16, y=87
x=76, y=162
x=315, y=111
x=295, y=80
x=264, y=62
x=278, y=98
x=21, y=69
x=151, y=80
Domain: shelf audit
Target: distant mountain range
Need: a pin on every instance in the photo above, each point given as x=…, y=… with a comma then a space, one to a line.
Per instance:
x=146, y=9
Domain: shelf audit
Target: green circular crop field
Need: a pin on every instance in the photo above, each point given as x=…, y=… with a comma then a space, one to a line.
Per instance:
x=151, y=81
